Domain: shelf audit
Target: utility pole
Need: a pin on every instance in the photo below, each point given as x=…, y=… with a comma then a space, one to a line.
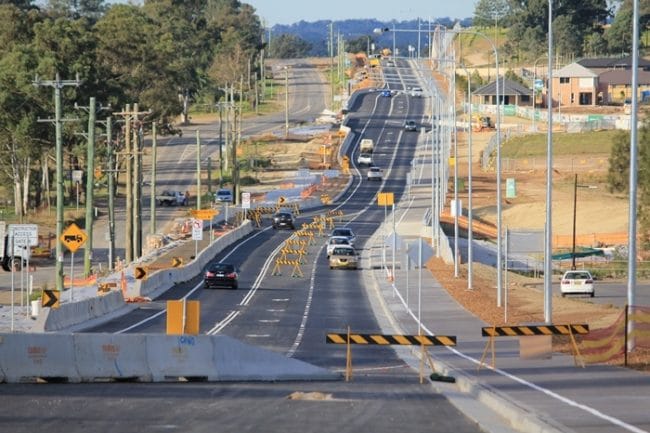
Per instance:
x=198, y=169
x=152, y=204
x=112, y=169
x=133, y=178
x=90, y=186
x=58, y=84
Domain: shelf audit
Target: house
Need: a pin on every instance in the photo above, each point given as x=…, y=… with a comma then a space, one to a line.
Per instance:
x=602, y=64
x=616, y=85
x=510, y=93
x=574, y=85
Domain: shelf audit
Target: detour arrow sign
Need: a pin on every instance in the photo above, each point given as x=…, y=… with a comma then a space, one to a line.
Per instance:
x=50, y=298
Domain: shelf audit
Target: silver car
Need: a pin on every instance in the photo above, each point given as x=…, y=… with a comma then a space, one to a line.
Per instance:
x=344, y=257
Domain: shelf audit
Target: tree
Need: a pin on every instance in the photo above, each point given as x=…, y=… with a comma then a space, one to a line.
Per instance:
x=359, y=44
x=575, y=18
x=288, y=46
x=489, y=13
x=619, y=163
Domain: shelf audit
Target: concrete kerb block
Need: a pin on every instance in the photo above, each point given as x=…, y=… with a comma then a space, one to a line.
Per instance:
x=182, y=356
x=235, y=360
x=28, y=357
x=111, y=356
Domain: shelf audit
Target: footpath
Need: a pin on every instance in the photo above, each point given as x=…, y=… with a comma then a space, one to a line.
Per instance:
x=535, y=395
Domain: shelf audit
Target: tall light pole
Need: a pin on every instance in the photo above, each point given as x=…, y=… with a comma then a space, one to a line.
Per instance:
x=470, y=233
x=631, y=251
x=548, y=247
x=286, y=101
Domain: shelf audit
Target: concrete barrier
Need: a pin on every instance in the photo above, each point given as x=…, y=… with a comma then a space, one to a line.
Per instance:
x=145, y=357
x=26, y=357
x=111, y=356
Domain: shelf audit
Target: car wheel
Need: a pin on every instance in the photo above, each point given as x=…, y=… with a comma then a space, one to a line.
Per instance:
x=593, y=294
x=293, y=227
x=331, y=267
x=563, y=295
x=234, y=287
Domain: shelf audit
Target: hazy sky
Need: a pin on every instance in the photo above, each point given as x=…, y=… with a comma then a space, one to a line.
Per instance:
x=291, y=11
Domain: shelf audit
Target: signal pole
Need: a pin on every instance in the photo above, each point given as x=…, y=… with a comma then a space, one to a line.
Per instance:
x=58, y=84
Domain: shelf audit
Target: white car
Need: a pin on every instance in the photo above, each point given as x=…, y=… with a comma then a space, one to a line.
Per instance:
x=364, y=159
x=417, y=92
x=336, y=241
x=345, y=232
x=580, y=282
x=375, y=173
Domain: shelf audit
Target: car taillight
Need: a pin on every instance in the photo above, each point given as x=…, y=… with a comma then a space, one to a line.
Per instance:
x=209, y=274
x=232, y=275
x=566, y=282
x=589, y=282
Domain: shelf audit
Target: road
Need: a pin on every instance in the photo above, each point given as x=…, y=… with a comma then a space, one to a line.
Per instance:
x=281, y=313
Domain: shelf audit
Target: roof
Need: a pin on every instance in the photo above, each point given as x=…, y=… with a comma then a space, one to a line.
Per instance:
x=574, y=70
x=623, y=76
x=612, y=62
x=506, y=87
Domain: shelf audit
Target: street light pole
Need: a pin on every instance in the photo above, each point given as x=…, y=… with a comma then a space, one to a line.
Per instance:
x=470, y=234
x=548, y=247
x=286, y=101
x=534, y=128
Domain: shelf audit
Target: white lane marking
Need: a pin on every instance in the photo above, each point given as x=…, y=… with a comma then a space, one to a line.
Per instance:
x=194, y=289
x=220, y=325
x=258, y=335
x=280, y=300
x=269, y=320
x=262, y=275
x=276, y=310
x=305, y=314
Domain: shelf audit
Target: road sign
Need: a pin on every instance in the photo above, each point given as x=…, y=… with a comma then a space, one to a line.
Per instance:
x=246, y=200
x=73, y=237
x=140, y=272
x=24, y=234
x=204, y=214
x=385, y=199
x=77, y=175
x=50, y=298
x=539, y=84
x=281, y=200
x=197, y=229
x=176, y=262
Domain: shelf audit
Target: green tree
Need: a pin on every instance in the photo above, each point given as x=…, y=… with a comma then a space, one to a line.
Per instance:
x=359, y=44
x=489, y=13
x=619, y=163
x=289, y=46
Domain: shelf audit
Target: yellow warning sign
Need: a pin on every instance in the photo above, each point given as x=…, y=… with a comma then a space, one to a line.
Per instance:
x=204, y=214
x=385, y=199
x=73, y=237
x=50, y=298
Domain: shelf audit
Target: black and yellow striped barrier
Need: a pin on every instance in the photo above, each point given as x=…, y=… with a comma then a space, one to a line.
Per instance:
x=524, y=330
x=383, y=340
x=380, y=339
x=533, y=331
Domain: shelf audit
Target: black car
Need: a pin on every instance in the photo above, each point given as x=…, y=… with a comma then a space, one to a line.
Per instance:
x=221, y=275
x=283, y=219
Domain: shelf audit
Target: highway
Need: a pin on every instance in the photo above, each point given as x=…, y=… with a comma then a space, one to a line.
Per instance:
x=284, y=314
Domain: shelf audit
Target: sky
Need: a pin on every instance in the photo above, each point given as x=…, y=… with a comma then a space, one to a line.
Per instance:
x=291, y=11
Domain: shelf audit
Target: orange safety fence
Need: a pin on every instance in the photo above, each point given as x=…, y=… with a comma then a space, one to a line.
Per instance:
x=88, y=281
x=608, y=344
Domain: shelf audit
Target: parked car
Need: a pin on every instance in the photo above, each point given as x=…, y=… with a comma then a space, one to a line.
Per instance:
x=375, y=173
x=364, y=159
x=221, y=275
x=335, y=241
x=410, y=125
x=577, y=282
x=283, y=219
x=344, y=257
x=386, y=93
x=223, y=195
x=171, y=198
x=345, y=232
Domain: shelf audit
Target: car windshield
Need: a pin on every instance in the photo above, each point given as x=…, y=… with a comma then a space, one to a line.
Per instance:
x=339, y=241
x=343, y=252
x=222, y=267
x=223, y=192
x=342, y=232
